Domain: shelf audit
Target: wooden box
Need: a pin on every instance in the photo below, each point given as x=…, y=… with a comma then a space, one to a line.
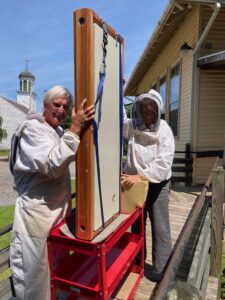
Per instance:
x=134, y=197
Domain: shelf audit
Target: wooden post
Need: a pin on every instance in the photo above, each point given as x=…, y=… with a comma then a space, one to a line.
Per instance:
x=188, y=164
x=217, y=222
x=187, y=150
x=224, y=153
x=224, y=192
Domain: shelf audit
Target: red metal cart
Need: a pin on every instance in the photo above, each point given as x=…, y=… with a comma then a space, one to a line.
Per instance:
x=87, y=270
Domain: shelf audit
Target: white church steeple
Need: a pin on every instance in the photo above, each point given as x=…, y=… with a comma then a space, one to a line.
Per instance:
x=26, y=95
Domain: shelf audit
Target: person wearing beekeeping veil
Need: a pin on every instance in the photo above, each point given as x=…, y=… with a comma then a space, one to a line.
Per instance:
x=150, y=155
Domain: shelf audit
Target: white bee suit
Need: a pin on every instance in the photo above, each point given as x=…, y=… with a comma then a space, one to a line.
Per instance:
x=42, y=180
x=150, y=153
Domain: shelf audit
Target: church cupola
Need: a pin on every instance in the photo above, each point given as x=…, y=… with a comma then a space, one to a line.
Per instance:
x=26, y=94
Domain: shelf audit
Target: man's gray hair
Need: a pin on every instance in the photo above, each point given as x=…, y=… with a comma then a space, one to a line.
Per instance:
x=56, y=92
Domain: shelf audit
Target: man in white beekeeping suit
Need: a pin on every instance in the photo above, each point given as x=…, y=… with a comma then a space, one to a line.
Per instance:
x=150, y=156
x=39, y=160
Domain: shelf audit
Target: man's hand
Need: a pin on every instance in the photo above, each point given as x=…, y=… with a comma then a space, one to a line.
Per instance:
x=128, y=180
x=82, y=117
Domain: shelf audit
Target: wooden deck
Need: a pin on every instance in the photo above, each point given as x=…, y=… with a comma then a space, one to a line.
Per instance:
x=181, y=201
x=179, y=207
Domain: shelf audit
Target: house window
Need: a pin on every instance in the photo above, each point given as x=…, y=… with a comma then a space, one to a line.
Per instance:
x=25, y=86
x=29, y=86
x=174, y=98
x=162, y=91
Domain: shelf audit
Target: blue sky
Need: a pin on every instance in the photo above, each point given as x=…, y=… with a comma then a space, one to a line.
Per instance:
x=42, y=31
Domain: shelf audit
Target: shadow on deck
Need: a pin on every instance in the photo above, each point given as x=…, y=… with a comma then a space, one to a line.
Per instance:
x=180, y=205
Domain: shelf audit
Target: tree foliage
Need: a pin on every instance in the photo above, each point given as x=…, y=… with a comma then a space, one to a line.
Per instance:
x=3, y=133
x=66, y=123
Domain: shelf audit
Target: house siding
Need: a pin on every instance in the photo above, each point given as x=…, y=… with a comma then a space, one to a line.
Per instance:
x=203, y=167
x=211, y=124
x=202, y=103
x=210, y=127
x=12, y=118
x=168, y=58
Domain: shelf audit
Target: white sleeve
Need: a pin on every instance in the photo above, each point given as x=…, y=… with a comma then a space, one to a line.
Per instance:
x=125, y=124
x=44, y=153
x=160, y=168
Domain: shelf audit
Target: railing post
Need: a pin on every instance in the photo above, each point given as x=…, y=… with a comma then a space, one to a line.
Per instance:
x=224, y=153
x=188, y=163
x=187, y=150
x=217, y=222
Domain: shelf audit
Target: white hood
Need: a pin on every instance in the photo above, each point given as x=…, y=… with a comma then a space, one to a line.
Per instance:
x=137, y=119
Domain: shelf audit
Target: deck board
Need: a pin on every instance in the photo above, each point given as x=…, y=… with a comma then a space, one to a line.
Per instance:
x=180, y=205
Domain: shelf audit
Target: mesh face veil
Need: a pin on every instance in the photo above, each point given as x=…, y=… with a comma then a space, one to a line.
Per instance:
x=137, y=111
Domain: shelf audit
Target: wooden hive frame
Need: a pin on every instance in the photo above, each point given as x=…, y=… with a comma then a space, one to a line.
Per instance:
x=85, y=24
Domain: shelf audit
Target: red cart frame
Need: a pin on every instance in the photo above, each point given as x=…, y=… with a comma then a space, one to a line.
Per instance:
x=90, y=270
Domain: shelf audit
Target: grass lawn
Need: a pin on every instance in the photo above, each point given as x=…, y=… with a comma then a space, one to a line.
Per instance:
x=222, y=295
x=6, y=217
x=6, y=213
x=73, y=187
x=73, y=190
x=4, y=152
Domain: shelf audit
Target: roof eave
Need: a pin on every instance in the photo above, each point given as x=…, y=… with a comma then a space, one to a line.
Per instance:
x=17, y=105
x=130, y=88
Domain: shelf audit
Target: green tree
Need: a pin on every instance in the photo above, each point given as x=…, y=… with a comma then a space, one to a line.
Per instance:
x=66, y=123
x=3, y=133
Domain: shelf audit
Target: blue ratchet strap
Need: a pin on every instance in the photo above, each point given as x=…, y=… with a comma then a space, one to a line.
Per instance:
x=121, y=104
x=102, y=75
x=98, y=102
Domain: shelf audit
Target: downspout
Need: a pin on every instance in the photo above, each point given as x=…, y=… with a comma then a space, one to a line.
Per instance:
x=194, y=63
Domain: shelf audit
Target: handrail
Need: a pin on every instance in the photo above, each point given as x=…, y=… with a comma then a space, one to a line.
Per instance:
x=205, y=153
x=197, y=152
x=178, y=252
x=6, y=229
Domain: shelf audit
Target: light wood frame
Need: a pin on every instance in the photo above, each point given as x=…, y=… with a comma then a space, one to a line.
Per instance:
x=85, y=21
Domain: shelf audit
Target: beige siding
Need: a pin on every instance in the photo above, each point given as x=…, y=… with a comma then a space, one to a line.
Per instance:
x=211, y=106
x=168, y=57
x=12, y=118
x=211, y=119
x=203, y=168
x=211, y=110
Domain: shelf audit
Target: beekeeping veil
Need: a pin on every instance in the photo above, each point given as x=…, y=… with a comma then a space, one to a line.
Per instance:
x=137, y=119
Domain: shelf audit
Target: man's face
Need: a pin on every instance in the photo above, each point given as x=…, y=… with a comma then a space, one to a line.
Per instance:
x=56, y=111
x=149, y=112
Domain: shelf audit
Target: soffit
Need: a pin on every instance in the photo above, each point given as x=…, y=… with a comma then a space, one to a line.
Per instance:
x=160, y=37
x=174, y=14
x=212, y=61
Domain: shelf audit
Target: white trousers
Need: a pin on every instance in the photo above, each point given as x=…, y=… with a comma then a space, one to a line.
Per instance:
x=29, y=264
